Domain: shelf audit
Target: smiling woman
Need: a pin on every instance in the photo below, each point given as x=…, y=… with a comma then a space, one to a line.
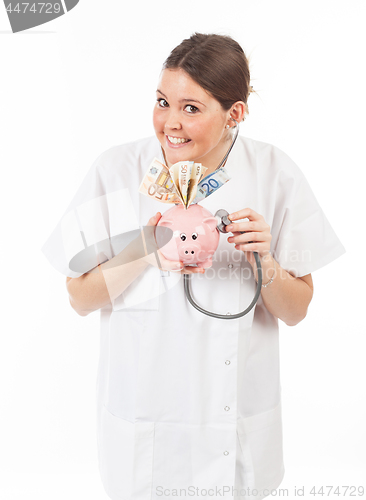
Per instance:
x=189, y=122
x=203, y=88
x=186, y=399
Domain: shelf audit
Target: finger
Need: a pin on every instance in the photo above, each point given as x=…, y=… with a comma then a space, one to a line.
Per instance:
x=192, y=270
x=247, y=226
x=247, y=237
x=196, y=270
x=170, y=265
x=154, y=219
x=261, y=248
x=244, y=213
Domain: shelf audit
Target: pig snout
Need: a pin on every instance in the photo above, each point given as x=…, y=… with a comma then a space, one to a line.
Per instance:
x=189, y=251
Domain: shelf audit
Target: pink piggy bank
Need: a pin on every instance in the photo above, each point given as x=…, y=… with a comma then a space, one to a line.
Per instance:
x=195, y=235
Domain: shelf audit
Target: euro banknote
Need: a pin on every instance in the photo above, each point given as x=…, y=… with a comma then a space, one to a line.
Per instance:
x=211, y=183
x=157, y=183
x=185, y=176
x=183, y=182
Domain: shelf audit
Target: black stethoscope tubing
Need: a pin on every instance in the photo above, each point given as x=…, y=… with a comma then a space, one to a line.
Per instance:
x=187, y=290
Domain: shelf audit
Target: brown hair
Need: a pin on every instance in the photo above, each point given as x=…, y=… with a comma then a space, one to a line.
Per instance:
x=217, y=63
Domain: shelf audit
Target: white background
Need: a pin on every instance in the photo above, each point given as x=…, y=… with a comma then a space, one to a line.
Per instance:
x=85, y=82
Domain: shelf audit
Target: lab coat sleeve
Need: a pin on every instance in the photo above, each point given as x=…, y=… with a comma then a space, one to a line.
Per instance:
x=306, y=241
x=83, y=238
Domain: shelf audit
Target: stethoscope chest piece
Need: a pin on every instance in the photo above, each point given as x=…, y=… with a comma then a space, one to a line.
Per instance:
x=222, y=219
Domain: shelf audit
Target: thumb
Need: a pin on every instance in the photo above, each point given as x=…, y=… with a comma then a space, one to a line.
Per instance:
x=154, y=219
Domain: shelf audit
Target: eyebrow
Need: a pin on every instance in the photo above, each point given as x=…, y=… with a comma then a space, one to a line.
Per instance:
x=182, y=100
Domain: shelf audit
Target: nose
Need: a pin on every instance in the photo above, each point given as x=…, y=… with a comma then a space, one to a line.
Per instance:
x=173, y=121
x=190, y=251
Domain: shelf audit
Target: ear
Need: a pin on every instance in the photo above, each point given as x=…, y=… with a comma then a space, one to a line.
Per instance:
x=166, y=223
x=237, y=112
x=211, y=222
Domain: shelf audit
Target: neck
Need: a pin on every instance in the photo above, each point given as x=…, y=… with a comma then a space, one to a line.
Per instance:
x=213, y=159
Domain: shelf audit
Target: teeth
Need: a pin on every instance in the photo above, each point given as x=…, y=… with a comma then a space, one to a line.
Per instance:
x=176, y=140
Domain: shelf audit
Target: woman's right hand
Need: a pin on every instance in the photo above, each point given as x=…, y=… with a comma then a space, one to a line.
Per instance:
x=169, y=265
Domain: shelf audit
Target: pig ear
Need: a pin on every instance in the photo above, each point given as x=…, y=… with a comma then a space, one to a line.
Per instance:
x=166, y=223
x=211, y=222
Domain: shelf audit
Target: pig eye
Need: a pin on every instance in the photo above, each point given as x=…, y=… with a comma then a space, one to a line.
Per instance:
x=194, y=236
x=183, y=237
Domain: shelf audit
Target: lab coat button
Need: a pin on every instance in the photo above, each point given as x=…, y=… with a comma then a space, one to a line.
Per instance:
x=230, y=265
x=227, y=362
x=227, y=408
x=226, y=452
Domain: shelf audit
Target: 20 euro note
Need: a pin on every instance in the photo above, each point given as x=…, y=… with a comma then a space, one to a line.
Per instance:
x=211, y=183
x=157, y=183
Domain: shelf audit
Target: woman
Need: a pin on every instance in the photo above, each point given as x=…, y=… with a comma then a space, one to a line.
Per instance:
x=189, y=404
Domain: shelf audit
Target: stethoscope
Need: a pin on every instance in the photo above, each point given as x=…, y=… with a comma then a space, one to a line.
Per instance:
x=223, y=221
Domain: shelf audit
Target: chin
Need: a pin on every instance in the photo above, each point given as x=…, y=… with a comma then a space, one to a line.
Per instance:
x=178, y=157
x=174, y=156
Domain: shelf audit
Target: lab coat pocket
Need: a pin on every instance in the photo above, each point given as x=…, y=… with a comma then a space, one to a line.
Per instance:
x=125, y=457
x=260, y=438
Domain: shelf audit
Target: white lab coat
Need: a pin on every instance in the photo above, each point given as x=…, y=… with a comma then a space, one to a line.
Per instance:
x=188, y=404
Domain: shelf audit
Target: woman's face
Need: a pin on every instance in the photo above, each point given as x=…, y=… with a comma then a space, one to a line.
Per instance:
x=189, y=122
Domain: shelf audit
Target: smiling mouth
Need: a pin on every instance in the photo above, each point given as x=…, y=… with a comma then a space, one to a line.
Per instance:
x=177, y=140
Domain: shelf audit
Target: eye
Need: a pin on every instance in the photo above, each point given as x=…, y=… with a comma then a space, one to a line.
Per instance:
x=194, y=236
x=191, y=109
x=162, y=103
x=183, y=237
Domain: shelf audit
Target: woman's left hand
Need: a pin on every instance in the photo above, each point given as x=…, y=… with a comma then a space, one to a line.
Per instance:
x=257, y=232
